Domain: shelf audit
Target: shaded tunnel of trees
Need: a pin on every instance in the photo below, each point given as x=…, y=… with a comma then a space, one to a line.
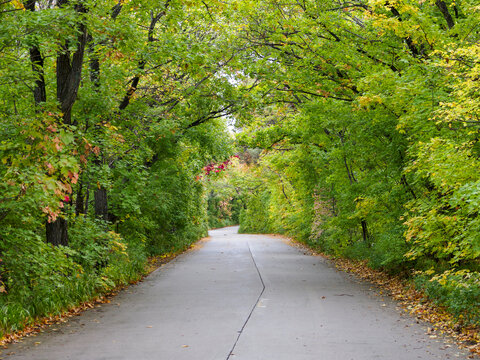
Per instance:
x=128, y=128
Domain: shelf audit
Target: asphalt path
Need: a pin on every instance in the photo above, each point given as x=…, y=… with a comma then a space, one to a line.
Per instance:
x=241, y=297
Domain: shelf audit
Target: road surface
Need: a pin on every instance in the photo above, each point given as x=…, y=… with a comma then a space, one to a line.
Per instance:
x=241, y=297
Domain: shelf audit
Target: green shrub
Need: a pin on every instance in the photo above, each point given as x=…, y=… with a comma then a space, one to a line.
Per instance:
x=458, y=290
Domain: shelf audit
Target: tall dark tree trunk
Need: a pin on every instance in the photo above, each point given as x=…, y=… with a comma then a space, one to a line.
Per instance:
x=100, y=194
x=57, y=232
x=69, y=74
x=446, y=14
x=101, y=203
x=80, y=200
x=69, y=68
x=39, y=91
x=37, y=60
x=87, y=199
x=366, y=236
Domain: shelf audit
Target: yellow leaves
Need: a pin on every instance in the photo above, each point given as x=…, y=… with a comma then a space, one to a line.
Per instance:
x=116, y=244
x=410, y=9
x=18, y=4
x=367, y=101
x=401, y=128
x=429, y=272
x=111, y=127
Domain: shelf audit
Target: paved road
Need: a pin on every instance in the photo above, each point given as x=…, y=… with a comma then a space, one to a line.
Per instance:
x=241, y=297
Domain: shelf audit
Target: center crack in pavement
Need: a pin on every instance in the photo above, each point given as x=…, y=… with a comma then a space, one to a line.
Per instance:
x=254, y=306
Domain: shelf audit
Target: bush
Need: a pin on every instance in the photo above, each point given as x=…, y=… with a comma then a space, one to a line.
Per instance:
x=458, y=290
x=41, y=279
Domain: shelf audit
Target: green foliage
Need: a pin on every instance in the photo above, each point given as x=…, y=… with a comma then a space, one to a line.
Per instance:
x=444, y=223
x=458, y=290
x=369, y=130
x=255, y=218
x=360, y=123
x=147, y=87
x=40, y=279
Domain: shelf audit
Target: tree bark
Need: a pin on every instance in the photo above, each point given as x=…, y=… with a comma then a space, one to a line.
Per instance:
x=80, y=200
x=57, y=233
x=366, y=236
x=39, y=91
x=69, y=72
x=69, y=69
x=446, y=14
x=36, y=58
x=87, y=199
x=101, y=203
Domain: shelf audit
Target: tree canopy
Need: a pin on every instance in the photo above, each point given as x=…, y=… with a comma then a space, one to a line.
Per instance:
x=356, y=121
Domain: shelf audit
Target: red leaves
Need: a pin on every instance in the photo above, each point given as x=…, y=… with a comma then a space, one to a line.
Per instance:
x=52, y=215
x=73, y=177
x=218, y=167
x=52, y=129
x=88, y=148
x=58, y=143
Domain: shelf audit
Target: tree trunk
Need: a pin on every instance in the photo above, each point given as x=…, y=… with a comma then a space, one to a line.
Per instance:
x=39, y=92
x=366, y=237
x=87, y=199
x=69, y=73
x=69, y=69
x=80, y=201
x=57, y=232
x=36, y=58
x=101, y=203
x=446, y=14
